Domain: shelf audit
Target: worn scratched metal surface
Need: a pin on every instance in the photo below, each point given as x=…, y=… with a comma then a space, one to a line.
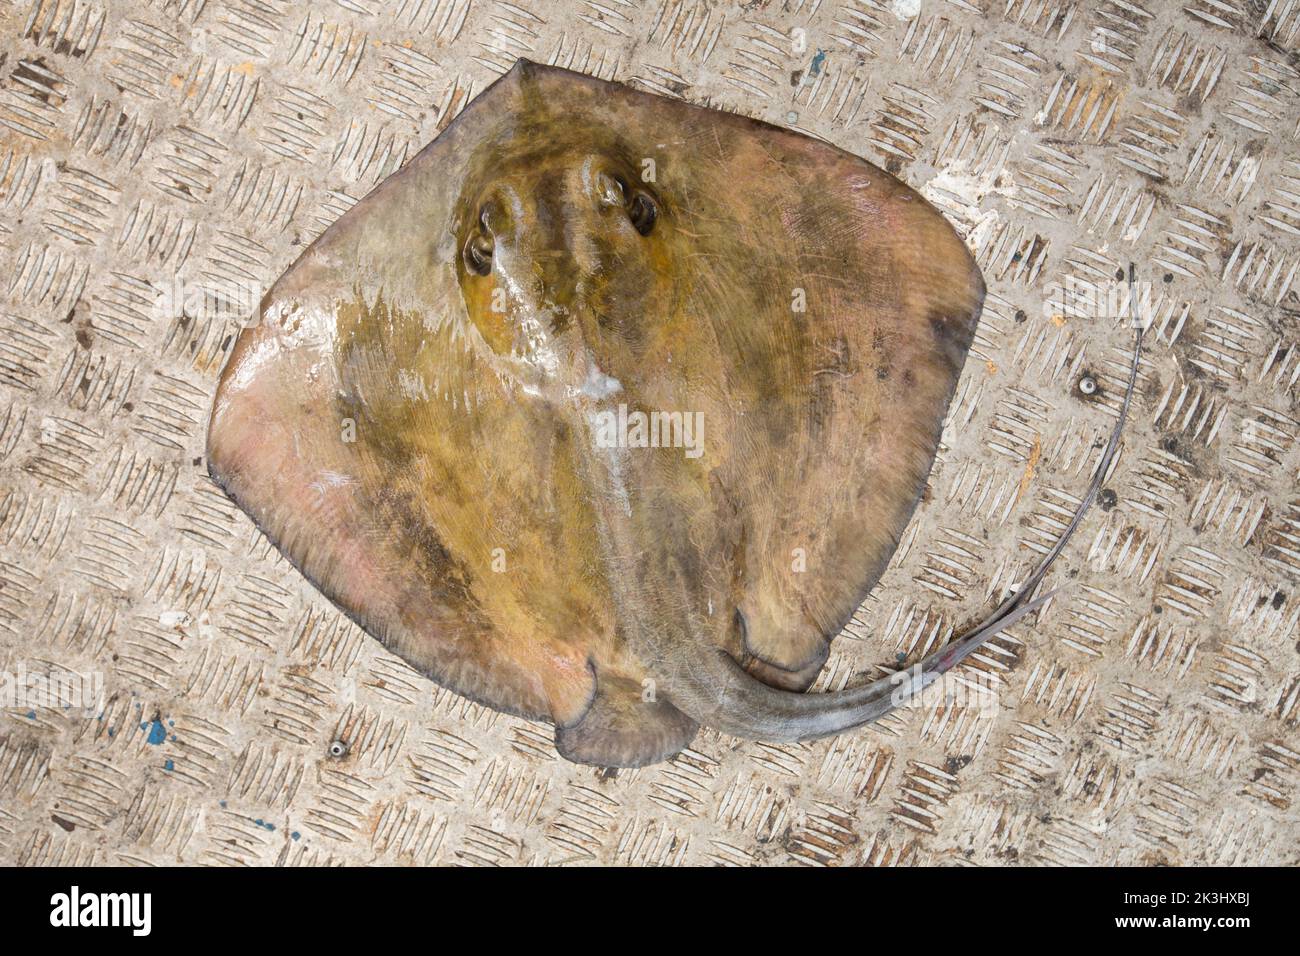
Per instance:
x=1153, y=714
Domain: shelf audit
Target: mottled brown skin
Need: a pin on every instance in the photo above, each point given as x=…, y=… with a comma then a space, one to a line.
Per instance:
x=469, y=315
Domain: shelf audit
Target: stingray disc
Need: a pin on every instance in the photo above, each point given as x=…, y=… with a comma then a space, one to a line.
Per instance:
x=606, y=409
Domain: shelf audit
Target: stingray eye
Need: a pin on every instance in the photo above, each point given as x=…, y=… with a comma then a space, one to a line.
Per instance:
x=478, y=254
x=643, y=212
x=478, y=247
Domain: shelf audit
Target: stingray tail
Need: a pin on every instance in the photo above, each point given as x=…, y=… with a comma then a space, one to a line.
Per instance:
x=717, y=692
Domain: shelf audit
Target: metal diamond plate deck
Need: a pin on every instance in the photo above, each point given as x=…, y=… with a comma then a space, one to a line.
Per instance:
x=156, y=156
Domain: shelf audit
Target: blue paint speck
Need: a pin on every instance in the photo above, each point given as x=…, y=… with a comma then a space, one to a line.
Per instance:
x=169, y=765
x=157, y=733
x=223, y=804
x=31, y=715
x=295, y=835
x=817, y=61
x=268, y=827
x=112, y=732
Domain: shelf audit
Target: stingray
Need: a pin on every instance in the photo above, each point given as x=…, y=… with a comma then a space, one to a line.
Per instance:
x=609, y=410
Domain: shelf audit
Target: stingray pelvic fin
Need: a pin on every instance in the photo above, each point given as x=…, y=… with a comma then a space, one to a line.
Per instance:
x=714, y=689
x=622, y=728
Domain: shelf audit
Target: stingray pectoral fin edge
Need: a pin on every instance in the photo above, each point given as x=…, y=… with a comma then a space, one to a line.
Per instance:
x=711, y=687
